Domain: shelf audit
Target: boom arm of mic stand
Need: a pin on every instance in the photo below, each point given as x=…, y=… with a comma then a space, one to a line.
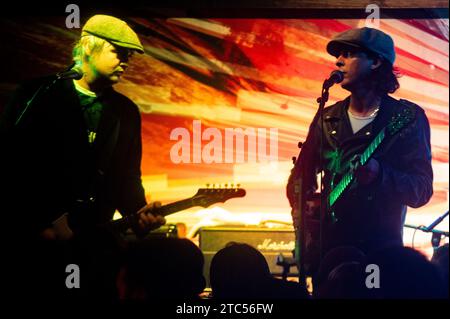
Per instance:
x=426, y=230
x=41, y=90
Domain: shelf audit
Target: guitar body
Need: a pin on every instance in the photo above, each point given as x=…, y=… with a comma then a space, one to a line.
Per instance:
x=347, y=180
x=311, y=234
x=306, y=221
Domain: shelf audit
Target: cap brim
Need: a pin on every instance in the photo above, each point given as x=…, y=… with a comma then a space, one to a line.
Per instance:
x=127, y=45
x=335, y=47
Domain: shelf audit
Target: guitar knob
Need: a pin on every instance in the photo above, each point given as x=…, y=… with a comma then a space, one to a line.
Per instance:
x=238, y=185
x=226, y=185
x=207, y=185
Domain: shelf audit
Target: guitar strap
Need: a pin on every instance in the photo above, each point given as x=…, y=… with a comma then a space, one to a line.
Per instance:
x=411, y=106
x=379, y=153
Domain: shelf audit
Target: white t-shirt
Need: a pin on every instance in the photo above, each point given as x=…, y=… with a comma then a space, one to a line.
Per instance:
x=358, y=122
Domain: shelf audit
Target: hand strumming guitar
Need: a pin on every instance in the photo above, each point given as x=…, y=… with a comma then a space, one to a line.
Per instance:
x=368, y=173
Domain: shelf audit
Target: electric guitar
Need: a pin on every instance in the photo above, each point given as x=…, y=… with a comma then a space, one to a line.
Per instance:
x=397, y=123
x=203, y=198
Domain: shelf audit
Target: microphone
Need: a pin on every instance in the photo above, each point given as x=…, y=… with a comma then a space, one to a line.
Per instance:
x=73, y=73
x=335, y=77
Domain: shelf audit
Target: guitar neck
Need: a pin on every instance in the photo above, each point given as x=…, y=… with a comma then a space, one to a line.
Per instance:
x=121, y=225
x=372, y=147
x=349, y=176
x=175, y=207
x=204, y=198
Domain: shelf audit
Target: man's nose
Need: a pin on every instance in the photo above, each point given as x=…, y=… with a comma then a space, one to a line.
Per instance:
x=340, y=61
x=124, y=58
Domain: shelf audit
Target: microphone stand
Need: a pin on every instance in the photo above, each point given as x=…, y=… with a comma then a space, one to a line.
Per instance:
x=436, y=234
x=300, y=224
x=38, y=93
x=298, y=212
x=437, y=221
x=322, y=100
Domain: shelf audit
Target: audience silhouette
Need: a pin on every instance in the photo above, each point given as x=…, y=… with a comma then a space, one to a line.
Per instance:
x=241, y=271
x=161, y=268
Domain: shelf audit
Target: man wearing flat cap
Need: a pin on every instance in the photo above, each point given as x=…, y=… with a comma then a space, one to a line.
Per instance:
x=370, y=212
x=71, y=160
x=78, y=146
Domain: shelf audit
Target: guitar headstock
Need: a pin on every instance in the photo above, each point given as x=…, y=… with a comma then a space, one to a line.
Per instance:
x=208, y=196
x=400, y=120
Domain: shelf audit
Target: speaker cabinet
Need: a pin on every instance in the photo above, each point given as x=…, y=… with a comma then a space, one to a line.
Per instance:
x=269, y=241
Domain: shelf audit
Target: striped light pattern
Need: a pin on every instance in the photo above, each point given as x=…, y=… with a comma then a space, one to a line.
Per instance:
x=246, y=73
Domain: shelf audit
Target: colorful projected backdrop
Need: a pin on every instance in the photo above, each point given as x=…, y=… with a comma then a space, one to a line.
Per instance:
x=201, y=80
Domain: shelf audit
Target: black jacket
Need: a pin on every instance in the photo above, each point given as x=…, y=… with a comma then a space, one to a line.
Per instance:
x=373, y=215
x=48, y=165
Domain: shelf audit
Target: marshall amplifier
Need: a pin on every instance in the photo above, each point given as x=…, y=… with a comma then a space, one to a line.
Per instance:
x=269, y=241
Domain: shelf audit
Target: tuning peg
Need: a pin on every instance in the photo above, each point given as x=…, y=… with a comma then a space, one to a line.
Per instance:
x=226, y=185
x=232, y=185
x=213, y=185
x=207, y=185
x=238, y=185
